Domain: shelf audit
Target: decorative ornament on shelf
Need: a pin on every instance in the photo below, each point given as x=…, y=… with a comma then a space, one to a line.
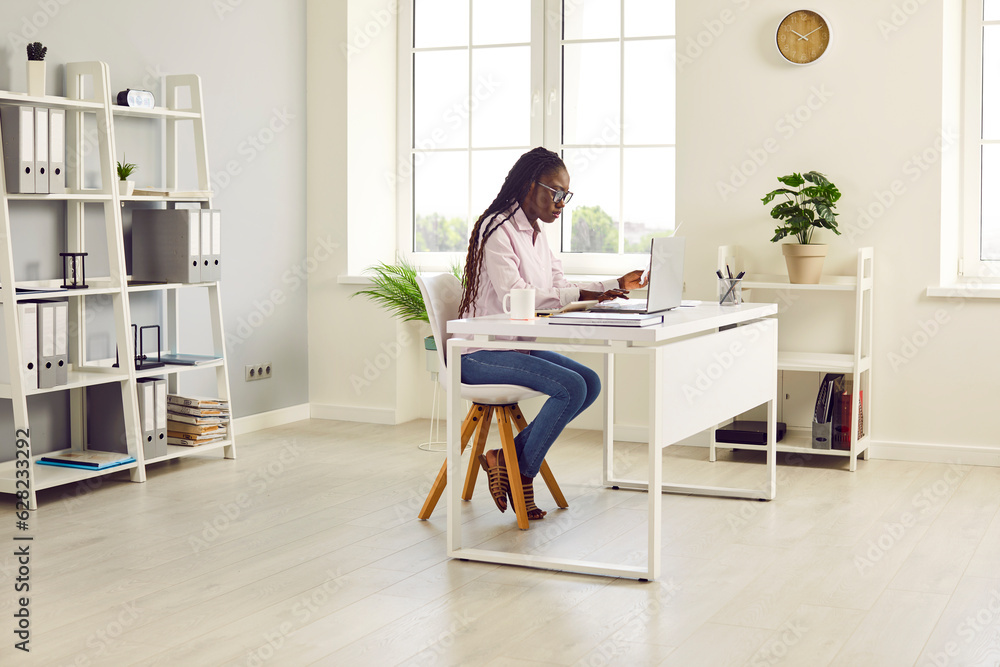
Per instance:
x=809, y=202
x=125, y=186
x=36, y=69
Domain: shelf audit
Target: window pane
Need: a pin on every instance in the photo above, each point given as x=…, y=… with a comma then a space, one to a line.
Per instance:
x=647, y=195
x=645, y=18
x=991, y=203
x=440, y=201
x=501, y=96
x=591, y=19
x=991, y=10
x=590, y=221
x=501, y=21
x=489, y=169
x=991, y=85
x=649, y=92
x=440, y=23
x=591, y=93
x=440, y=99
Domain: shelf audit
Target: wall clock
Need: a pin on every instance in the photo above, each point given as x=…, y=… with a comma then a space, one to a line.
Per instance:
x=803, y=37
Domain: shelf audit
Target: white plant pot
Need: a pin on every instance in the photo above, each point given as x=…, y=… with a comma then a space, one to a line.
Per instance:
x=125, y=188
x=36, y=78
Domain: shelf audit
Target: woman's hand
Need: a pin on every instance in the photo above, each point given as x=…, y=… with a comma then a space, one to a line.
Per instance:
x=587, y=295
x=631, y=280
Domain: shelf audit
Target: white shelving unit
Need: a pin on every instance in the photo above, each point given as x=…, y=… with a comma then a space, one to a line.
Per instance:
x=84, y=373
x=857, y=364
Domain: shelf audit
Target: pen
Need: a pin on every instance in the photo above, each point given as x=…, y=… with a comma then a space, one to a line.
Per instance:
x=728, y=272
x=719, y=273
x=740, y=276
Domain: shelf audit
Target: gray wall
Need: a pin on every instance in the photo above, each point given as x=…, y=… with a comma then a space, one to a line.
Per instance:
x=251, y=58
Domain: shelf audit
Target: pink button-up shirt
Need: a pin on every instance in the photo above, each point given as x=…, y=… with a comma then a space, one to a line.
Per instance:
x=515, y=257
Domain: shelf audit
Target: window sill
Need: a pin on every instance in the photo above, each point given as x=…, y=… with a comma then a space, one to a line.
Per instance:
x=347, y=279
x=966, y=290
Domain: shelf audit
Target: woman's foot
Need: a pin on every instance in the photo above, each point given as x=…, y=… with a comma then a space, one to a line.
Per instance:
x=496, y=472
x=534, y=512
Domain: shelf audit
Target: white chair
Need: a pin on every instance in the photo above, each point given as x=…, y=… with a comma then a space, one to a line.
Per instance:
x=442, y=296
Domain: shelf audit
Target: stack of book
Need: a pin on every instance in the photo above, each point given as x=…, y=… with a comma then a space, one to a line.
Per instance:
x=194, y=421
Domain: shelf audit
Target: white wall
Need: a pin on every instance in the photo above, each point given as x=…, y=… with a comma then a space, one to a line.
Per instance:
x=251, y=58
x=869, y=115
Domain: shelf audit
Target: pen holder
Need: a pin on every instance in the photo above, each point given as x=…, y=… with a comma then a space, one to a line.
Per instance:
x=730, y=291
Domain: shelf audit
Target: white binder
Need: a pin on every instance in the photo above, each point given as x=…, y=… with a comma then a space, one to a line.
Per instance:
x=47, y=376
x=27, y=317
x=147, y=415
x=62, y=341
x=18, y=125
x=160, y=397
x=57, y=151
x=41, y=150
x=211, y=245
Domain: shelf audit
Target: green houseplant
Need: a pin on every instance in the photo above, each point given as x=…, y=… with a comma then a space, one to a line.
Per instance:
x=125, y=186
x=808, y=204
x=394, y=287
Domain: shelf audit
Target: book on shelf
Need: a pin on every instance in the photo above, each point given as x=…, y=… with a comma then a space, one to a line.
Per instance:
x=198, y=412
x=187, y=359
x=188, y=442
x=214, y=434
x=198, y=402
x=171, y=192
x=89, y=459
x=195, y=429
x=198, y=420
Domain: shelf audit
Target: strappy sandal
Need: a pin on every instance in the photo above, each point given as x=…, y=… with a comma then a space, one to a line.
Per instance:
x=534, y=511
x=499, y=484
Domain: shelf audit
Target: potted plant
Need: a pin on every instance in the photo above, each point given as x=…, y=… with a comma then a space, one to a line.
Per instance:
x=809, y=200
x=36, y=69
x=394, y=287
x=125, y=186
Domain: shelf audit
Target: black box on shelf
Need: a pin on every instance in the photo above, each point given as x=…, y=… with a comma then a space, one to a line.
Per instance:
x=748, y=433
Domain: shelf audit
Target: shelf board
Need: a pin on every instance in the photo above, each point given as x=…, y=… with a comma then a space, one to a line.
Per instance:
x=797, y=441
x=46, y=477
x=151, y=198
x=814, y=361
x=156, y=112
x=77, y=379
x=59, y=293
x=66, y=196
x=175, y=368
x=166, y=286
x=50, y=101
x=827, y=284
x=176, y=451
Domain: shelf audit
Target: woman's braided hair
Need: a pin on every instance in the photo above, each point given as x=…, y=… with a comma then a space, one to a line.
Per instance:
x=529, y=167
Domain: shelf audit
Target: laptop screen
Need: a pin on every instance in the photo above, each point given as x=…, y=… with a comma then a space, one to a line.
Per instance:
x=666, y=273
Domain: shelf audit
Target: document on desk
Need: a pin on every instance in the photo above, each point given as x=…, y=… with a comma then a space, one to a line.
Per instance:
x=608, y=319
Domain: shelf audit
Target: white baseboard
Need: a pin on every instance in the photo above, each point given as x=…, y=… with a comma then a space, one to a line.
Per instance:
x=352, y=413
x=934, y=453
x=263, y=420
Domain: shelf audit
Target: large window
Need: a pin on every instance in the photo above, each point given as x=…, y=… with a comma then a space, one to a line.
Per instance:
x=482, y=81
x=982, y=137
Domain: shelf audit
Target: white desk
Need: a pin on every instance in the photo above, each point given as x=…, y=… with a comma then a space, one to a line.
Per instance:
x=704, y=370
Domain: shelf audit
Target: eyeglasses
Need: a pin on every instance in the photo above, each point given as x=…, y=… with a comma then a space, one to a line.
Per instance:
x=557, y=195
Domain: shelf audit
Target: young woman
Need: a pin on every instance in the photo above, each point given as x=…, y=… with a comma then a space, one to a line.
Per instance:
x=507, y=251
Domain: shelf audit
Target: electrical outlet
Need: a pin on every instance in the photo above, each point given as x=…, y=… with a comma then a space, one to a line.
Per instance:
x=257, y=371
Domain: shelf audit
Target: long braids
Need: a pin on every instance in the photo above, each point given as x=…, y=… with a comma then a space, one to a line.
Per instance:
x=528, y=168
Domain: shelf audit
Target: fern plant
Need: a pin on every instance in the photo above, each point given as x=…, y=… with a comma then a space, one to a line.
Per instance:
x=394, y=287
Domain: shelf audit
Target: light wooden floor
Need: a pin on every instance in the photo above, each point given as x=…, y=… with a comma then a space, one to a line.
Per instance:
x=306, y=550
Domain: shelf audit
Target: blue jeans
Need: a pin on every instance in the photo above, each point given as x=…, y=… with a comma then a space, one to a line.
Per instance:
x=571, y=387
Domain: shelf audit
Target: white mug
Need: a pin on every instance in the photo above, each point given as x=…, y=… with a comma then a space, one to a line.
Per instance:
x=520, y=304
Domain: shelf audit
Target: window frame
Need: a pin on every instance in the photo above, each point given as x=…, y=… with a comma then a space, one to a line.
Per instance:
x=545, y=130
x=970, y=264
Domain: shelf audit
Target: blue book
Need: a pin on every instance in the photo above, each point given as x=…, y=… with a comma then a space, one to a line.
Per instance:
x=89, y=459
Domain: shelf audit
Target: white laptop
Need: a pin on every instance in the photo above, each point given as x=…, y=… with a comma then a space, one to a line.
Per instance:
x=666, y=281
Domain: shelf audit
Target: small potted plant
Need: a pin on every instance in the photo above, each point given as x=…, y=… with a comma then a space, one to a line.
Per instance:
x=125, y=186
x=36, y=69
x=809, y=200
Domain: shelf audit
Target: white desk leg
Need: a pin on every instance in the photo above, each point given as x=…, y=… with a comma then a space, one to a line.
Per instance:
x=655, y=464
x=772, y=451
x=608, y=469
x=454, y=445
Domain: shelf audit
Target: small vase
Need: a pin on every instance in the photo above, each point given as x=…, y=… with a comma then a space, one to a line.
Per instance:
x=36, y=78
x=125, y=188
x=804, y=262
